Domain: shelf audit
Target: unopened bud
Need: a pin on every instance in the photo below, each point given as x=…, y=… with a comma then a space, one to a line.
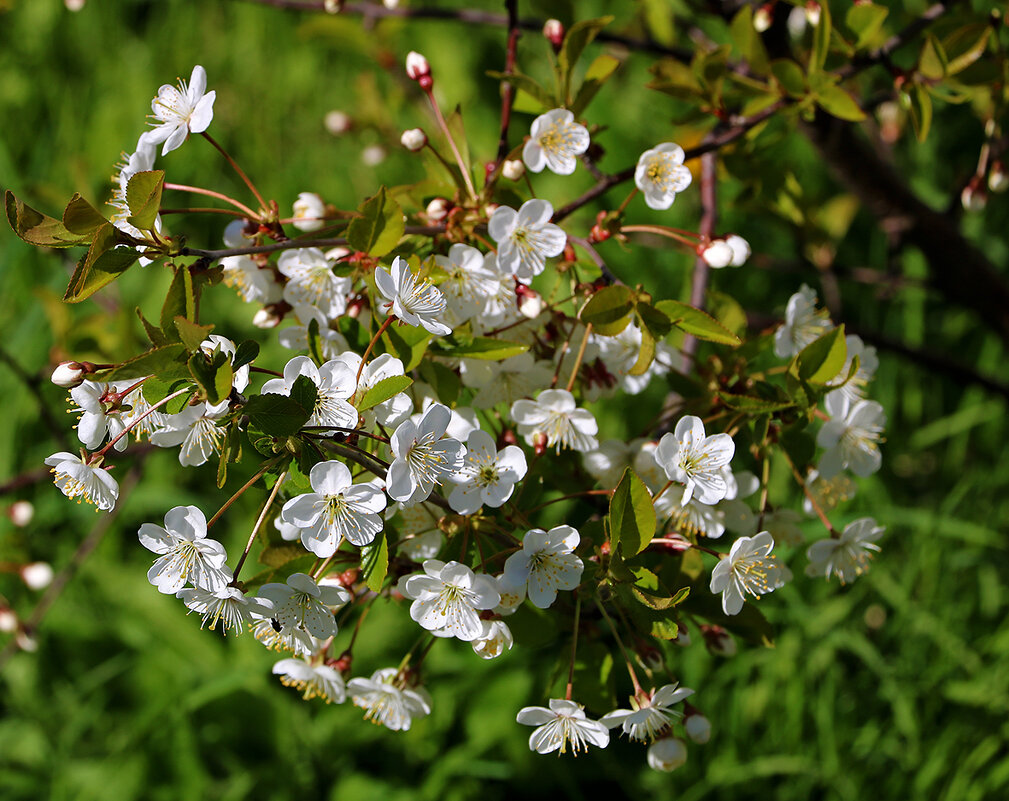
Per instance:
x=26, y=642
x=8, y=620
x=553, y=30
x=698, y=728
x=682, y=638
x=348, y=578
x=539, y=442
x=337, y=122
x=413, y=139
x=21, y=513
x=973, y=197
x=74, y=5
x=333, y=6
x=438, y=209
x=308, y=212
x=718, y=254
x=337, y=253
x=813, y=12
x=417, y=66
x=763, y=17
x=530, y=304
x=69, y=374
x=740, y=249
x=390, y=4
x=489, y=209
x=343, y=663
x=372, y=155
x=265, y=318
x=513, y=169
x=37, y=575
x=667, y=755
x=649, y=657
x=998, y=179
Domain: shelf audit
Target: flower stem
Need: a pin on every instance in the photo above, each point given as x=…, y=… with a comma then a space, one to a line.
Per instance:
x=196, y=190
x=579, y=357
x=241, y=173
x=227, y=504
x=574, y=646
x=255, y=528
x=661, y=230
x=381, y=330
x=623, y=650
x=451, y=143
x=813, y=502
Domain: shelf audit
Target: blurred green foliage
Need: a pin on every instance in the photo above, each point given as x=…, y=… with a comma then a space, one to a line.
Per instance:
x=894, y=687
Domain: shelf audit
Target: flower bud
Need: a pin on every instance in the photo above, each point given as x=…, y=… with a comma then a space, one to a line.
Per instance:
x=337, y=253
x=553, y=30
x=813, y=12
x=417, y=66
x=718, y=640
x=25, y=641
x=998, y=179
x=308, y=209
x=513, y=169
x=682, y=638
x=69, y=374
x=413, y=139
x=489, y=209
x=337, y=122
x=530, y=304
x=372, y=155
x=718, y=254
x=740, y=250
x=265, y=318
x=8, y=620
x=667, y=755
x=333, y=6
x=37, y=575
x=390, y=4
x=438, y=209
x=763, y=17
x=698, y=728
x=74, y=5
x=21, y=513
x=973, y=197
x=540, y=442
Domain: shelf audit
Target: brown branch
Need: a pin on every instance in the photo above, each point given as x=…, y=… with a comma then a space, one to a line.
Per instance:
x=296, y=244
x=709, y=218
x=507, y=90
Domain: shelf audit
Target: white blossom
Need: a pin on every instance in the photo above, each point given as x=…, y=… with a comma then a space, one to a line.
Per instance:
x=526, y=238
x=667, y=755
x=423, y=457
x=187, y=555
x=555, y=141
x=851, y=437
x=803, y=325
x=303, y=604
x=868, y=362
x=749, y=568
x=389, y=412
x=415, y=302
x=179, y=111
x=331, y=343
x=650, y=717
x=660, y=174
x=494, y=639
x=555, y=416
x=76, y=478
x=469, y=285
x=563, y=724
x=98, y=405
x=254, y=284
x=387, y=701
x=309, y=210
x=507, y=381
x=310, y=279
x=312, y=680
x=688, y=456
x=334, y=382
x=228, y=606
x=488, y=476
x=847, y=556
x=547, y=563
x=195, y=429
x=447, y=598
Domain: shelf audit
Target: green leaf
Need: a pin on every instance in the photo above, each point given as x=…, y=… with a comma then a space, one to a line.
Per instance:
x=646, y=354
x=631, y=516
x=790, y=76
x=821, y=40
x=167, y=363
x=799, y=445
x=748, y=41
x=727, y=311
x=837, y=102
x=179, y=302
x=383, y=390
x=531, y=87
x=409, y=343
x=191, y=334
x=578, y=37
x=280, y=555
x=380, y=226
x=486, y=348
x=599, y=72
x=143, y=196
x=245, y=353
x=609, y=310
x=102, y=265
x=965, y=46
x=657, y=323
x=276, y=415
x=746, y=403
x=821, y=360
x=932, y=63
x=213, y=374
x=80, y=217
x=375, y=562
x=304, y=392
x=696, y=322
x=865, y=21
x=920, y=111
x=660, y=600
x=153, y=332
x=444, y=380
x=315, y=342
x=37, y=228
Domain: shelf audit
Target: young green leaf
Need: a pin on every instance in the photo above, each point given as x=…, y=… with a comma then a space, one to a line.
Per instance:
x=179, y=302
x=599, y=72
x=191, y=334
x=696, y=322
x=383, y=390
x=609, y=310
x=375, y=562
x=80, y=217
x=37, y=228
x=143, y=196
x=486, y=348
x=167, y=363
x=631, y=516
x=276, y=415
x=821, y=360
x=380, y=226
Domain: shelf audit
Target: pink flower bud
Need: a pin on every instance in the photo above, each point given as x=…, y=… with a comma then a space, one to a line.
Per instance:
x=438, y=209
x=718, y=254
x=69, y=374
x=417, y=66
x=265, y=318
x=553, y=30
x=813, y=12
x=413, y=139
x=763, y=17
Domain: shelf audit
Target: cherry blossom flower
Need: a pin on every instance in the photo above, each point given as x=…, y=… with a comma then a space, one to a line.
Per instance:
x=667, y=755
x=240, y=377
x=526, y=238
x=447, y=598
x=423, y=456
x=507, y=381
x=868, y=363
x=181, y=111
x=494, y=640
x=414, y=302
x=310, y=279
x=488, y=476
x=337, y=510
x=295, y=640
x=334, y=382
x=418, y=528
x=749, y=568
x=851, y=437
x=187, y=555
x=547, y=563
x=690, y=457
x=331, y=343
x=87, y=481
x=469, y=284
x=804, y=324
x=387, y=702
x=303, y=604
x=98, y=405
x=68, y=375
x=563, y=724
x=555, y=141
x=828, y=493
x=309, y=210
x=650, y=717
x=195, y=429
x=228, y=606
x=390, y=412
x=313, y=681
x=660, y=174
x=555, y=415
x=253, y=283
x=847, y=556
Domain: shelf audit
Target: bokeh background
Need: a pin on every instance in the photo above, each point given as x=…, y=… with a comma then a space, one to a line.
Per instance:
x=894, y=687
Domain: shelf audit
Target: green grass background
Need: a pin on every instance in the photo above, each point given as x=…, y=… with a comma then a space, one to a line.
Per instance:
x=895, y=687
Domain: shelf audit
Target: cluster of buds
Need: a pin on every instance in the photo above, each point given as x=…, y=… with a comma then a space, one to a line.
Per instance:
x=417, y=69
x=732, y=251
